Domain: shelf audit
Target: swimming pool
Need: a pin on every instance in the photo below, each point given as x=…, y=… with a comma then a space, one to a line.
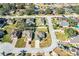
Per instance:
x=77, y=26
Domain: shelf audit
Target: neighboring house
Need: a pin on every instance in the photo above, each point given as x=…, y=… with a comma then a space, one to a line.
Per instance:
x=30, y=34
x=75, y=51
x=75, y=19
x=41, y=35
x=68, y=10
x=11, y=21
x=36, y=9
x=75, y=39
x=30, y=22
x=17, y=33
x=3, y=21
x=1, y=34
x=64, y=24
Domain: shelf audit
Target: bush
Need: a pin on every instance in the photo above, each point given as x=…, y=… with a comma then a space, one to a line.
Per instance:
x=70, y=32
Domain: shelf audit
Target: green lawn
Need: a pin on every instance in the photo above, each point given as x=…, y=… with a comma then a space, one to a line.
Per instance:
x=20, y=43
x=9, y=28
x=61, y=36
x=39, y=22
x=42, y=29
x=46, y=42
x=6, y=38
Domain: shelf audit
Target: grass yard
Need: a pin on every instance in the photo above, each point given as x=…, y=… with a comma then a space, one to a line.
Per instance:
x=20, y=43
x=46, y=42
x=9, y=28
x=6, y=38
x=38, y=22
x=61, y=36
x=42, y=29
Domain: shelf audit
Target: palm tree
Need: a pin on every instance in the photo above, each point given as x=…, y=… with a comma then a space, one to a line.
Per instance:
x=23, y=53
x=9, y=54
x=3, y=53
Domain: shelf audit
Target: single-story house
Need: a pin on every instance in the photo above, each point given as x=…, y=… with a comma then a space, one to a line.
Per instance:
x=3, y=21
x=1, y=34
x=42, y=35
x=30, y=22
x=64, y=23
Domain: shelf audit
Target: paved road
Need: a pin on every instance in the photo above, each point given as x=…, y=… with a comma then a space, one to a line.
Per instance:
x=52, y=33
x=53, y=45
x=51, y=30
x=37, y=16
